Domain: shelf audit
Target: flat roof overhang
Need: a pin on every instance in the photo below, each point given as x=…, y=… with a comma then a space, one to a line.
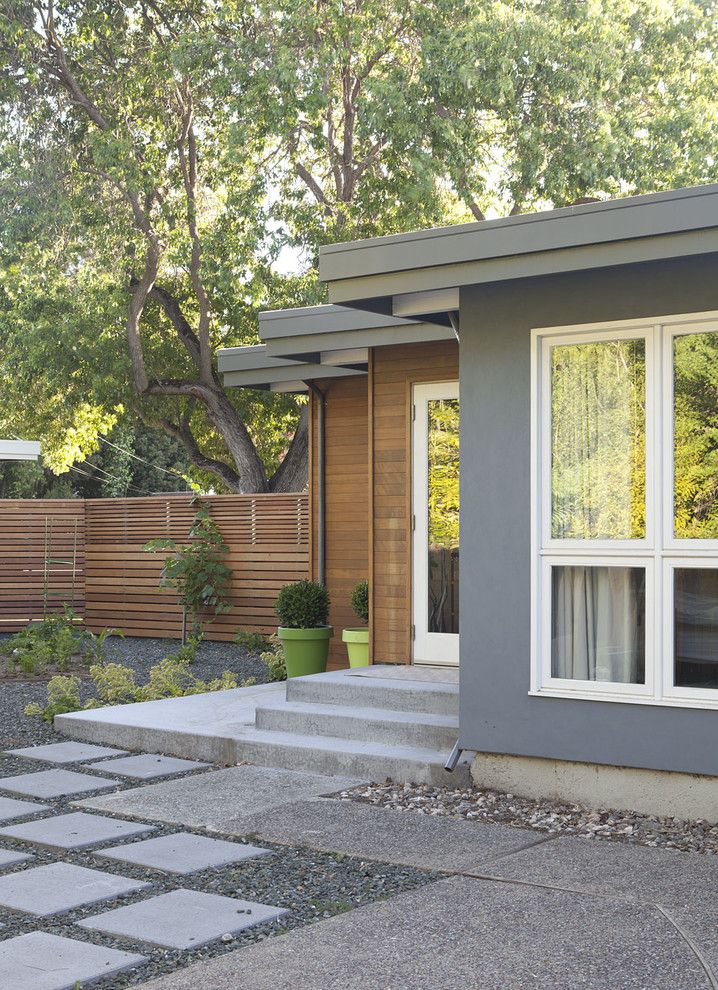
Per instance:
x=252, y=367
x=408, y=274
x=19, y=450
x=309, y=333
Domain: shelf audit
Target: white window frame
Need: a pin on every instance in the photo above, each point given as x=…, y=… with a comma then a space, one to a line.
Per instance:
x=659, y=551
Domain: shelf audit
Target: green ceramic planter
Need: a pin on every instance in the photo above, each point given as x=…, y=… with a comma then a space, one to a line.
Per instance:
x=357, y=641
x=305, y=650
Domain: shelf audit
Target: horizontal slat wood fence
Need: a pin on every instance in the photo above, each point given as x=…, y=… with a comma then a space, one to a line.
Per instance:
x=267, y=536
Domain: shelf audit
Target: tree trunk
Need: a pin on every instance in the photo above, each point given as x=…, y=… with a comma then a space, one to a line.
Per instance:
x=291, y=475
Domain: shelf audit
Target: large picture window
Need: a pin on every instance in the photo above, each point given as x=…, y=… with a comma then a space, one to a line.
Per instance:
x=625, y=529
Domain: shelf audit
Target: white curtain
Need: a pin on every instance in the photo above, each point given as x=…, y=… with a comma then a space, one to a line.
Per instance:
x=597, y=624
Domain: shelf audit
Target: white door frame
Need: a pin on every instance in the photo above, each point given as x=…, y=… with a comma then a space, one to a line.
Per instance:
x=428, y=648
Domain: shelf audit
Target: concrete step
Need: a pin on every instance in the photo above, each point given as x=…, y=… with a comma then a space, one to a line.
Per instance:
x=370, y=761
x=383, y=725
x=341, y=688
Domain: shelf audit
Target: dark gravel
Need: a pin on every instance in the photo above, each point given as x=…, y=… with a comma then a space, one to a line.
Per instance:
x=311, y=885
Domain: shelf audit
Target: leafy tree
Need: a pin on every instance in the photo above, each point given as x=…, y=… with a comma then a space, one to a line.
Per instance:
x=156, y=156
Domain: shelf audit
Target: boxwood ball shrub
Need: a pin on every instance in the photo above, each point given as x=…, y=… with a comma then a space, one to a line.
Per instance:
x=303, y=605
x=360, y=600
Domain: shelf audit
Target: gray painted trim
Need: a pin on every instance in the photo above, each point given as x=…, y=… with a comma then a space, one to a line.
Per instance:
x=307, y=346
x=653, y=215
x=293, y=371
x=375, y=292
x=19, y=450
x=280, y=323
x=249, y=358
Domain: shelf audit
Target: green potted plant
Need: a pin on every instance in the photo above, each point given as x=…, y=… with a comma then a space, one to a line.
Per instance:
x=302, y=610
x=357, y=639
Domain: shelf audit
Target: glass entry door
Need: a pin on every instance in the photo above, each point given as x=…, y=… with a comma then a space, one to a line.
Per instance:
x=435, y=462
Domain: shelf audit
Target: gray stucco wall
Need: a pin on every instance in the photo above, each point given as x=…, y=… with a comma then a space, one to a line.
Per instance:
x=497, y=715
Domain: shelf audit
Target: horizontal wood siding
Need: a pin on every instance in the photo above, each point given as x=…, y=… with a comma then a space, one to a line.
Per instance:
x=394, y=371
x=42, y=554
x=116, y=582
x=347, y=500
x=267, y=537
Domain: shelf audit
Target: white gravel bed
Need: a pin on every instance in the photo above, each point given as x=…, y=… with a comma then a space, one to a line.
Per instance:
x=475, y=804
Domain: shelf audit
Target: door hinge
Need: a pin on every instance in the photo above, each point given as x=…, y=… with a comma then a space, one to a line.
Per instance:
x=413, y=410
x=413, y=632
x=413, y=521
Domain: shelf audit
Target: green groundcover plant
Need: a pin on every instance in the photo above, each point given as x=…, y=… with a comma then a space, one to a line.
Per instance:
x=53, y=643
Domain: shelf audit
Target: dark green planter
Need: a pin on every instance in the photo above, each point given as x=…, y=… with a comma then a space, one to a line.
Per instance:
x=305, y=650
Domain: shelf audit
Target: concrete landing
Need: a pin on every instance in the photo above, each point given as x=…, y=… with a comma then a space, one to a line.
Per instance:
x=371, y=723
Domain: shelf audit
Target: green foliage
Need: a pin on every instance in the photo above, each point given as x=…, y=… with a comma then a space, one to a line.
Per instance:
x=50, y=644
x=303, y=605
x=197, y=570
x=275, y=661
x=115, y=684
x=360, y=600
x=254, y=641
x=443, y=501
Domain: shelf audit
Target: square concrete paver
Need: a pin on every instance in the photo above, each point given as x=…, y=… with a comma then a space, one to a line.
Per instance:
x=464, y=934
x=9, y=857
x=182, y=919
x=56, y=887
x=182, y=853
x=12, y=808
x=67, y=752
x=210, y=800
x=73, y=831
x=39, y=961
x=55, y=783
x=148, y=766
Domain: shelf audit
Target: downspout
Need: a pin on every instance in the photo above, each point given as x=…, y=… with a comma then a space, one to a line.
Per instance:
x=321, y=496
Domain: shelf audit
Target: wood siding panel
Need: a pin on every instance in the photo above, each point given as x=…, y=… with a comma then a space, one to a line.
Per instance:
x=394, y=371
x=347, y=499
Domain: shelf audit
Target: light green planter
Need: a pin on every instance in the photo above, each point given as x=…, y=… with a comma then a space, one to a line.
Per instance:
x=305, y=650
x=357, y=641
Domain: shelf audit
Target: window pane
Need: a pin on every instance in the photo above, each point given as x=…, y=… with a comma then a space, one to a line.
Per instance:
x=598, y=440
x=695, y=605
x=598, y=620
x=443, y=508
x=695, y=423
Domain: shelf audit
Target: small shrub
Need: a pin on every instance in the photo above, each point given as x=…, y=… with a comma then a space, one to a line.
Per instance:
x=303, y=605
x=63, y=695
x=187, y=651
x=115, y=683
x=360, y=600
x=51, y=644
x=275, y=661
x=254, y=641
x=94, y=645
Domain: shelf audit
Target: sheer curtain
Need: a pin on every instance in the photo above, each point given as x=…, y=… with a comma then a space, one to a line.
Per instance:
x=598, y=624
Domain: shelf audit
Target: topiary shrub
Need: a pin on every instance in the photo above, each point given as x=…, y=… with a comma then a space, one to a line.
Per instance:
x=360, y=600
x=303, y=605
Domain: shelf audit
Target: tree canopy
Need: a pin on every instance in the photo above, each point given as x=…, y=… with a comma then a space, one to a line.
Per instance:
x=156, y=159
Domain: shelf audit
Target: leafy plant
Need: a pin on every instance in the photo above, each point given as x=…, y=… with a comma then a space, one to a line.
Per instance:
x=63, y=695
x=360, y=600
x=94, y=644
x=254, y=641
x=303, y=605
x=196, y=570
x=275, y=661
x=48, y=644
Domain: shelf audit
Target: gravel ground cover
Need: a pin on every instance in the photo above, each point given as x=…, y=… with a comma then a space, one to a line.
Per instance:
x=309, y=884
x=475, y=804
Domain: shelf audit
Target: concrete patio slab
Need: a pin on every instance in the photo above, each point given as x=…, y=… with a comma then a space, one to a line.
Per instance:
x=676, y=880
x=10, y=857
x=11, y=808
x=182, y=853
x=211, y=800
x=55, y=783
x=73, y=831
x=66, y=752
x=39, y=961
x=182, y=919
x=59, y=887
x=388, y=836
x=201, y=726
x=147, y=766
x=464, y=933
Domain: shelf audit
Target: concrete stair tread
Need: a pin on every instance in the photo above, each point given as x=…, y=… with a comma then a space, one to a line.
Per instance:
x=382, y=683
x=367, y=714
x=335, y=744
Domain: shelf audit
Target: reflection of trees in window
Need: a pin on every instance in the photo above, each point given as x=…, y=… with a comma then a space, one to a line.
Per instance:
x=695, y=362
x=443, y=509
x=598, y=440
